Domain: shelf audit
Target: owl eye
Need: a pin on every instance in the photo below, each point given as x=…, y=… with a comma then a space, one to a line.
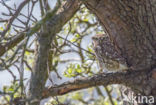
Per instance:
x=94, y=38
x=101, y=38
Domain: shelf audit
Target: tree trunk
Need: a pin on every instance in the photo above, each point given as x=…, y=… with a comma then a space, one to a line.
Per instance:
x=131, y=24
x=48, y=31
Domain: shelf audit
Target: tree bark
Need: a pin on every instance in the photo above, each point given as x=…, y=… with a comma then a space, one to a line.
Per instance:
x=131, y=24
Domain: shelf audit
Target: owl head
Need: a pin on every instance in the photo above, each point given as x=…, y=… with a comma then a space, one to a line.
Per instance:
x=98, y=38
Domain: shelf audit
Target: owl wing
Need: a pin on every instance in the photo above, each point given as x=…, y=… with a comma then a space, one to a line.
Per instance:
x=110, y=51
x=99, y=56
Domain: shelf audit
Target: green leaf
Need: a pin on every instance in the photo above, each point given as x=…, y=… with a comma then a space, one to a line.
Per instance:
x=85, y=20
x=79, y=70
x=27, y=53
x=1, y=28
x=77, y=35
x=73, y=40
x=69, y=70
x=11, y=89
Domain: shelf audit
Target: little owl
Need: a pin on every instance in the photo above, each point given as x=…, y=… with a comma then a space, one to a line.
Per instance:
x=107, y=55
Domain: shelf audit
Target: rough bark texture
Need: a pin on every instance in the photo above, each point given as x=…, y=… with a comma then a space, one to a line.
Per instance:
x=131, y=24
x=127, y=78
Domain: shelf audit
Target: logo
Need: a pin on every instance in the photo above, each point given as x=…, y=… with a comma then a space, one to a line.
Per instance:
x=135, y=99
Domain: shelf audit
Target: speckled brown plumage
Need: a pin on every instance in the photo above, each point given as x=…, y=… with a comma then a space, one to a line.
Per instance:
x=107, y=55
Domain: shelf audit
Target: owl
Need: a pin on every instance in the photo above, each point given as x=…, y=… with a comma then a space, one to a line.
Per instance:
x=107, y=55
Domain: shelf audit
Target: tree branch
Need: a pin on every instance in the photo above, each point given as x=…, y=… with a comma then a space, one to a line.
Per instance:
x=14, y=16
x=12, y=43
x=127, y=78
x=54, y=24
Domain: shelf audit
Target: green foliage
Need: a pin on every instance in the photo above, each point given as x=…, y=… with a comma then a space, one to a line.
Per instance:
x=1, y=29
x=90, y=55
x=73, y=70
x=13, y=89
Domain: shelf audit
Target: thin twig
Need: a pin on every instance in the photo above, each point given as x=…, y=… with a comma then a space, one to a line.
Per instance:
x=76, y=45
x=14, y=17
